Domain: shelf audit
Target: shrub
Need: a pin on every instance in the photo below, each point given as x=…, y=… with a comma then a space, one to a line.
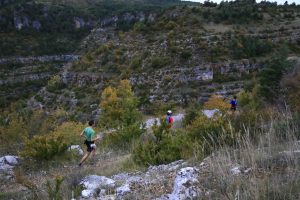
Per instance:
x=11, y=134
x=247, y=47
x=136, y=63
x=217, y=102
x=119, y=106
x=192, y=112
x=167, y=146
x=185, y=55
x=55, y=84
x=210, y=133
x=170, y=25
x=159, y=62
x=44, y=147
x=122, y=138
x=54, y=192
x=41, y=122
x=271, y=76
x=291, y=82
x=140, y=27
x=248, y=100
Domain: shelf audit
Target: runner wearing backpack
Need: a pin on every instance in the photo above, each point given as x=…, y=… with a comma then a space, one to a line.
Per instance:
x=169, y=119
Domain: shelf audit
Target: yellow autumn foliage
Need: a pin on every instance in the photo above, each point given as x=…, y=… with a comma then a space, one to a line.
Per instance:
x=11, y=135
x=119, y=106
x=54, y=143
x=217, y=102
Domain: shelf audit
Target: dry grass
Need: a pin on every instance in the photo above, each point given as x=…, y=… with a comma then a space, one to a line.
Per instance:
x=32, y=177
x=269, y=168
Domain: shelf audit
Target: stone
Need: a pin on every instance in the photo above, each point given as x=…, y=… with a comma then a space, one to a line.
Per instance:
x=11, y=160
x=210, y=113
x=235, y=171
x=151, y=121
x=79, y=22
x=123, y=190
x=36, y=25
x=93, y=182
x=185, y=185
x=107, y=197
x=76, y=148
x=7, y=163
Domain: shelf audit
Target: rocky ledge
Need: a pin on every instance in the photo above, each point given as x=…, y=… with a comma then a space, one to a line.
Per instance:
x=174, y=181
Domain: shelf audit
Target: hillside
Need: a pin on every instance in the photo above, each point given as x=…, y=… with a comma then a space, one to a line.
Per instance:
x=180, y=55
x=52, y=28
x=227, y=74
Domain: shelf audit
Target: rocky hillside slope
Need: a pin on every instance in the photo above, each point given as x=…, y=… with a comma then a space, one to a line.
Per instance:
x=35, y=44
x=184, y=54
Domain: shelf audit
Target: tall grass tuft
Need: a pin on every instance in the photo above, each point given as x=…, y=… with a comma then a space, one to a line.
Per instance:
x=269, y=166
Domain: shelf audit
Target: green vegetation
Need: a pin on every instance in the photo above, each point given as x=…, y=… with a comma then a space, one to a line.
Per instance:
x=248, y=47
x=160, y=62
x=55, y=31
x=119, y=111
x=272, y=74
x=180, y=38
x=54, y=191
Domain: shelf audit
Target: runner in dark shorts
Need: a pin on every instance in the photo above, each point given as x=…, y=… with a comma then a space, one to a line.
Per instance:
x=89, y=145
x=233, y=103
x=88, y=133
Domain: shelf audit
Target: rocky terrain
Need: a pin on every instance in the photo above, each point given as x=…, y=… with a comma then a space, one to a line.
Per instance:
x=174, y=56
x=181, y=179
x=61, y=65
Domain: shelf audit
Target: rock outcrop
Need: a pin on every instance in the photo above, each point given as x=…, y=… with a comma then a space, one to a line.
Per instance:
x=182, y=183
x=39, y=59
x=7, y=163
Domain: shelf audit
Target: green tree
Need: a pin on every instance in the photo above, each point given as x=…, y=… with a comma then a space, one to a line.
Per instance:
x=272, y=74
x=119, y=106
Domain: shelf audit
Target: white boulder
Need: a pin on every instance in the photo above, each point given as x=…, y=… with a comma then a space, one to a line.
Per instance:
x=93, y=182
x=185, y=185
x=123, y=190
x=7, y=163
x=210, y=113
x=236, y=171
x=77, y=149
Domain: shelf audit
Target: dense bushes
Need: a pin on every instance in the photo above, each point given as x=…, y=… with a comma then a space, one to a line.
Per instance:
x=159, y=62
x=291, y=82
x=119, y=111
x=47, y=146
x=240, y=12
x=12, y=131
x=247, y=47
x=271, y=76
x=119, y=106
x=123, y=138
x=199, y=138
x=162, y=146
x=55, y=84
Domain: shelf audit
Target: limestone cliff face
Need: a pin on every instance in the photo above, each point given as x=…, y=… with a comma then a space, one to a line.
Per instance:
x=172, y=56
x=26, y=69
x=21, y=77
x=22, y=18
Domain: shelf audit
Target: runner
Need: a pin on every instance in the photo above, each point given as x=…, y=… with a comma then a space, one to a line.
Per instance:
x=169, y=119
x=233, y=103
x=88, y=133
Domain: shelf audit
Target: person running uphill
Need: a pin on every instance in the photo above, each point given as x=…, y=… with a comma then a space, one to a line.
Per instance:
x=169, y=119
x=88, y=133
x=233, y=103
